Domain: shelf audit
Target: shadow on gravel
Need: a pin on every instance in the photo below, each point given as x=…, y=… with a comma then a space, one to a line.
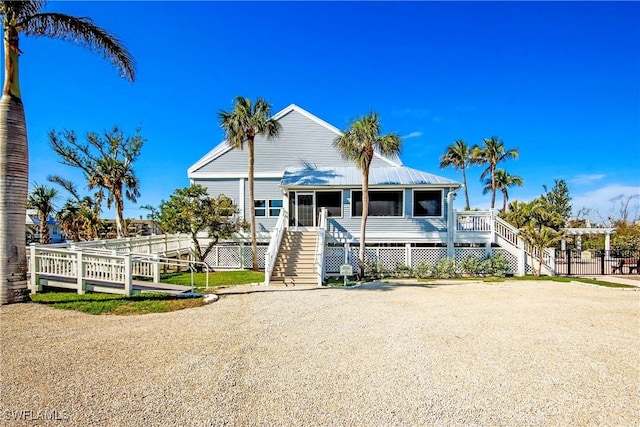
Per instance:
x=390, y=286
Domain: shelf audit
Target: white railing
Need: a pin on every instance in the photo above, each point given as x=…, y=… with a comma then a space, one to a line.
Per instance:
x=476, y=221
x=274, y=246
x=507, y=231
x=337, y=233
x=161, y=244
x=319, y=260
x=88, y=267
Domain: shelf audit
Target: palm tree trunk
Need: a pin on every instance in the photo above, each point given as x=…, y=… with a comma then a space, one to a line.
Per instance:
x=252, y=213
x=45, y=238
x=119, y=220
x=14, y=175
x=365, y=214
x=466, y=190
x=493, y=188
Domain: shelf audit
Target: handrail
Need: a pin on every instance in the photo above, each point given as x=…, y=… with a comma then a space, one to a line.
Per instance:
x=507, y=231
x=473, y=221
x=154, y=258
x=103, y=264
x=341, y=235
x=274, y=246
x=320, y=245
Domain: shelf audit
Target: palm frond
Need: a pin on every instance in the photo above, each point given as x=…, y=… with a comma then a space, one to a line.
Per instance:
x=83, y=32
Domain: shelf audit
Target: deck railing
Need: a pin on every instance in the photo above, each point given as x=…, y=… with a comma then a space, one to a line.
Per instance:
x=99, y=269
x=161, y=244
x=319, y=259
x=274, y=246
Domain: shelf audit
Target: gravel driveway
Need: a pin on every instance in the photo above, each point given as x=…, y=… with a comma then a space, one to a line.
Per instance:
x=512, y=353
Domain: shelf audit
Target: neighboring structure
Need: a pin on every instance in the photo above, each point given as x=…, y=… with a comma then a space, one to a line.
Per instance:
x=303, y=184
x=32, y=221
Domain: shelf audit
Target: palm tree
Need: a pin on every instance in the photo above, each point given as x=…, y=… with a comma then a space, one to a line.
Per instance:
x=242, y=124
x=41, y=199
x=492, y=153
x=358, y=144
x=107, y=164
x=27, y=17
x=458, y=155
x=539, y=239
x=503, y=180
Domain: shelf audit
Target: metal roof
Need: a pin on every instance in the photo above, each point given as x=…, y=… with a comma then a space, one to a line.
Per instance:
x=352, y=177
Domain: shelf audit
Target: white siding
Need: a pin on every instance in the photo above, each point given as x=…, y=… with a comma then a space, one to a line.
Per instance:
x=301, y=141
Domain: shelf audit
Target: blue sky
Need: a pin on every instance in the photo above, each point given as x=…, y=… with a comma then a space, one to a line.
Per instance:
x=558, y=81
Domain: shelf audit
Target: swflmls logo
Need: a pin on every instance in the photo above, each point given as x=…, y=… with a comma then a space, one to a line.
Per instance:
x=42, y=415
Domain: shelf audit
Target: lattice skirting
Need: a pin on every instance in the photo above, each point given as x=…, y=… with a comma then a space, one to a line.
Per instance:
x=234, y=256
x=391, y=258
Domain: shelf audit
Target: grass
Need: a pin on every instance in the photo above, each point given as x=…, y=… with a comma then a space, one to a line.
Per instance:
x=97, y=303
x=216, y=279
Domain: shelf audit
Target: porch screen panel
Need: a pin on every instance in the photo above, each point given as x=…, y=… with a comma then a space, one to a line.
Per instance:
x=427, y=203
x=332, y=200
x=381, y=203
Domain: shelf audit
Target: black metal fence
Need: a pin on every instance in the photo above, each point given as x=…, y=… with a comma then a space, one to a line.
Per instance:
x=596, y=262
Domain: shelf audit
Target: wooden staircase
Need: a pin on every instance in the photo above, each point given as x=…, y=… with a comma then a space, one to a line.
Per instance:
x=294, y=264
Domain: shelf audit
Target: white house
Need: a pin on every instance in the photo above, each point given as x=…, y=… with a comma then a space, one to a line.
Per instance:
x=304, y=186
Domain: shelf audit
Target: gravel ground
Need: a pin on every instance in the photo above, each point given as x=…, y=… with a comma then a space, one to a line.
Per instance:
x=513, y=353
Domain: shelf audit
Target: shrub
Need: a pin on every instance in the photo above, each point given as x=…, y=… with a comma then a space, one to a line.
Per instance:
x=445, y=268
x=376, y=269
x=472, y=266
x=496, y=265
x=402, y=271
x=422, y=270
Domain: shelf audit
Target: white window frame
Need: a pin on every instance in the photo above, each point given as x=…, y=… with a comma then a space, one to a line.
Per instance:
x=255, y=209
x=279, y=208
x=378, y=190
x=342, y=207
x=413, y=202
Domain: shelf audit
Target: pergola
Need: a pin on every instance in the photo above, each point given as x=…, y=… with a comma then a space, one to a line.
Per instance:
x=588, y=231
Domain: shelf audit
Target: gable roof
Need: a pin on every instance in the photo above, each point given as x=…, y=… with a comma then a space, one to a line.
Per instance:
x=225, y=147
x=352, y=177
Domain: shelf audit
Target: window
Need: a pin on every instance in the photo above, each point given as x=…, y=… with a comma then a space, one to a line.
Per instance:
x=427, y=203
x=332, y=200
x=260, y=207
x=275, y=206
x=381, y=203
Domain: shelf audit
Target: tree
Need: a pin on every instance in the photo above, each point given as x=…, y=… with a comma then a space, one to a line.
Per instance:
x=41, y=199
x=80, y=216
x=492, y=153
x=191, y=210
x=107, y=163
x=358, y=144
x=27, y=17
x=458, y=155
x=503, y=180
x=241, y=125
x=559, y=199
x=539, y=238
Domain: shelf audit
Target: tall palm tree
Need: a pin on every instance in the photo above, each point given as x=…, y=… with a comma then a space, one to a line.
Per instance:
x=241, y=125
x=492, y=153
x=27, y=17
x=503, y=181
x=358, y=144
x=107, y=163
x=458, y=155
x=41, y=199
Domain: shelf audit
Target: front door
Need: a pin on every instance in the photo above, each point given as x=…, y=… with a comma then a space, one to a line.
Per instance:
x=305, y=210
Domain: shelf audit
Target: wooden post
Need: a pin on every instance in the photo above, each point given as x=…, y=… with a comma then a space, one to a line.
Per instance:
x=156, y=269
x=80, y=273
x=128, y=282
x=33, y=269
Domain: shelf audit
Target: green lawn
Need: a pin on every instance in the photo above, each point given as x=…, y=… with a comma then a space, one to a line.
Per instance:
x=96, y=303
x=216, y=279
